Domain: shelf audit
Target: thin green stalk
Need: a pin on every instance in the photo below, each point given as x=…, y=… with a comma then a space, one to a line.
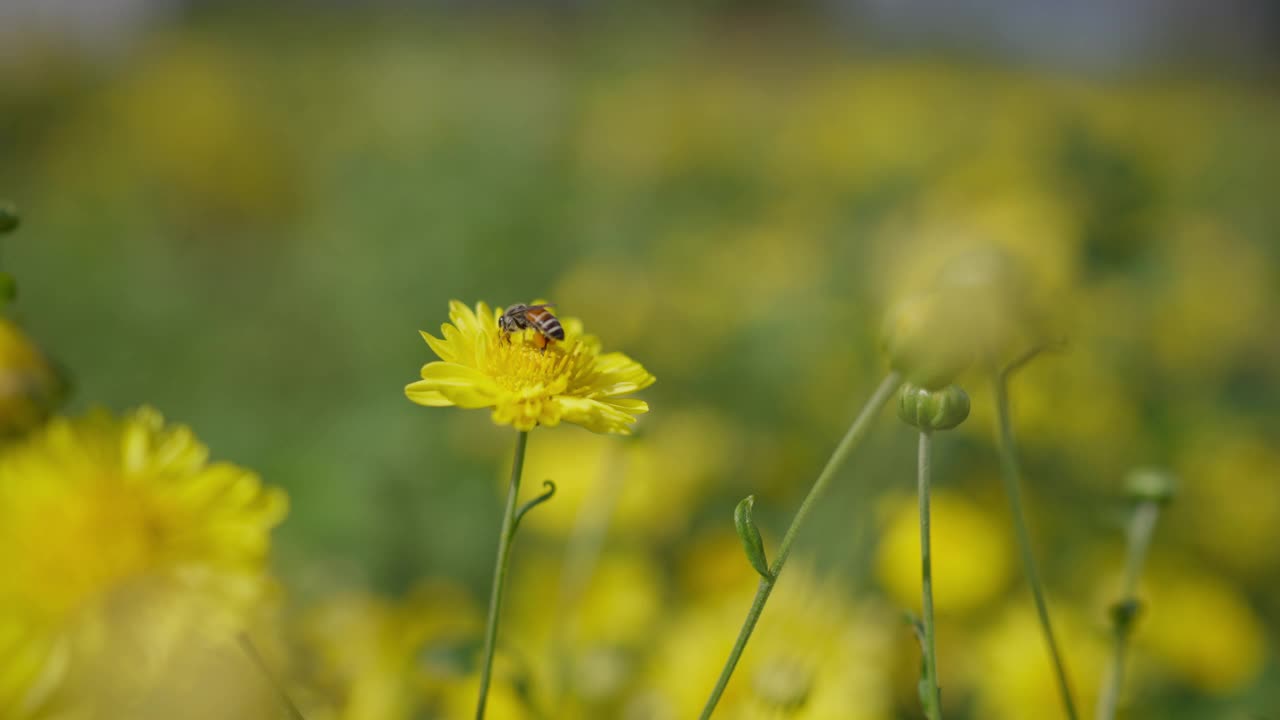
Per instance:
x=1012, y=473
x=933, y=704
x=1141, y=528
x=509, y=521
x=259, y=662
x=852, y=438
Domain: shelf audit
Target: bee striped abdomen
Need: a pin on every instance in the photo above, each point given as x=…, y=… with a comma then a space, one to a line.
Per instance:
x=544, y=322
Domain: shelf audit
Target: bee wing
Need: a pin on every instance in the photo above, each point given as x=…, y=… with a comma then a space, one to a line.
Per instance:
x=539, y=307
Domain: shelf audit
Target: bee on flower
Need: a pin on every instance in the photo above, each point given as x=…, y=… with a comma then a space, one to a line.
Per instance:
x=488, y=360
x=520, y=317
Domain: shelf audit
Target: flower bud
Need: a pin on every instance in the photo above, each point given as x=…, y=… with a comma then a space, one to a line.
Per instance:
x=8, y=218
x=1150, y=485
x=988, y=296
x=977, y=307
x=1125, y=612
x=933, y=409
x=924, y=343
x=31, y=388
x=750, y=536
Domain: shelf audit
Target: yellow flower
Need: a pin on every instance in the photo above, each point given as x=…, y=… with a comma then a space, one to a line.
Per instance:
x=972, y=556
x=525, y=384
x=1221, y=660
x=1010, y=669
x=121, y=546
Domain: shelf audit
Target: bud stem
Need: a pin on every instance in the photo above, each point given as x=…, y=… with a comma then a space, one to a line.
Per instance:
x=933, y=704
x=1011, y=471
x=852, y=438
x=1141, y=527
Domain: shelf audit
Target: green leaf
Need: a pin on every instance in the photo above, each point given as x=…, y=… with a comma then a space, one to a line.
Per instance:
x=750, y=534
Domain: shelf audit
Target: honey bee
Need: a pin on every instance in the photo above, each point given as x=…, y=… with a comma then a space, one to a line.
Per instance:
x=520, y=316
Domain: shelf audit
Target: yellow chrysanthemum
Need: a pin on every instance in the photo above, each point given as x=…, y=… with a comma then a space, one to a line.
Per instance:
x=527, y=384
x=122, y=546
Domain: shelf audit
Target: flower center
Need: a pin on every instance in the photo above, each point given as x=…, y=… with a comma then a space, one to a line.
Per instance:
x=519, y=363
x=782, y=683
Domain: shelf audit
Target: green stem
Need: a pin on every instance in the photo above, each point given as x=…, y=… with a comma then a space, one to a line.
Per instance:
x=1012, y=474
x=500, y=573
x=933, y=708
x=857, y=431
x=1141, y=528
x=259, y=662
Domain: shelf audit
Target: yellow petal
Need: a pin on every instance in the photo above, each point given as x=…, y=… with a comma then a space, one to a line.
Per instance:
x=463, y=386
x=441, y=348
x=628, y=405
x=595, y=415
x=423, y=394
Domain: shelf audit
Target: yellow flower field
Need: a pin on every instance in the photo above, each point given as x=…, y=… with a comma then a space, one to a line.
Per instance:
x=234, y=483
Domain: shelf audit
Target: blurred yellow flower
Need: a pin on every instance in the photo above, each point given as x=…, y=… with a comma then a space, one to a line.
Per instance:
x=972, y=557
x=1010, y=669
x=379, y=660
x=525, y=384
x=583, y=628
x=30, y=389
x=1230, y=502
x=507, y=697
x=814, y=656
x=1201, y=629
x=121, y=546
x=649, y=487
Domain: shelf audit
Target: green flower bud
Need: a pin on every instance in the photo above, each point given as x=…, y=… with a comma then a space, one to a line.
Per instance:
x=1125, y=612
x=750, y=536
x=8, y=218
x=1150, y=485
x=924, y=342
x=933, y=409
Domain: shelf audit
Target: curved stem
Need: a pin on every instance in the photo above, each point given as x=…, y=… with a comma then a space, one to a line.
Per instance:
x=246, y=643
x=1141, y=528
x=933, y=702
x=857, y=431
x=1011, y=471
x=509, y=521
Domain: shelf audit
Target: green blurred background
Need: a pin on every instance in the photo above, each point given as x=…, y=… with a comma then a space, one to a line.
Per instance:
x=244, y=217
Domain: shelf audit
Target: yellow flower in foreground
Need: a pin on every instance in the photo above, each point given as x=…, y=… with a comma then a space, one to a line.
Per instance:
x=122, y=549
x=525, y=384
